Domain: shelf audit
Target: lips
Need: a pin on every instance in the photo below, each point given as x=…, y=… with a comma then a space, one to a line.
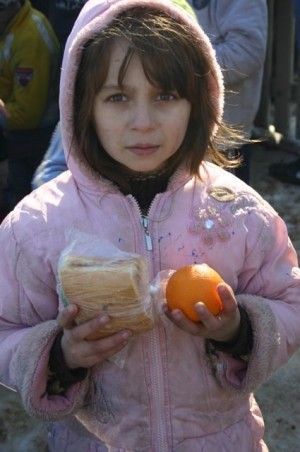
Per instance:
x=143, y=149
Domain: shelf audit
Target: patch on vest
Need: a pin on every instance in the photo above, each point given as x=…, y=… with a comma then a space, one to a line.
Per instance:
x=24, y=75
x=222, y=194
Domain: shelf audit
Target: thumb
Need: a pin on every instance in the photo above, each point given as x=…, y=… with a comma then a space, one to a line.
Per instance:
x=228, y=299
x=67, y=316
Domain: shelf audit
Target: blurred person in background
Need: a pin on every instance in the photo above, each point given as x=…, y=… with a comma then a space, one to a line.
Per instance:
x=238, y=31
x=29, y=55
x=290, y=172
x=54, y=161
x=62, y=15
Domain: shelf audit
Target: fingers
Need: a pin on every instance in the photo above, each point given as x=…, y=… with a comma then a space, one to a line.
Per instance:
x=82, y=331
x=67, y=316
x=107, y=346
x=83, y=353
x=79, y=332
x=92, y=360
x=89, y=353
x=219, y=327
x=80, y=352
x=107, y=343
x=223, y=327
x=178, y=317
x=228, y=299
x=209, y=321
x=206, y=319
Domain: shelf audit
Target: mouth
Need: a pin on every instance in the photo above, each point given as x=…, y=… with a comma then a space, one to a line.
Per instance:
x=143, y=149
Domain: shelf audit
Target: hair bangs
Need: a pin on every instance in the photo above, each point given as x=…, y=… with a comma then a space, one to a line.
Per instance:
x=163, y=71
x=159, y=45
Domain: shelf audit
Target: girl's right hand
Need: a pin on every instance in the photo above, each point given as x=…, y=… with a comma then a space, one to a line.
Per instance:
x=79, y=352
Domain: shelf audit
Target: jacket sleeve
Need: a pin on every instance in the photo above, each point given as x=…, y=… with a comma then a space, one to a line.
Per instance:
x=53, y=163
x=241, y=48
x=270, y=293
x=28, y=308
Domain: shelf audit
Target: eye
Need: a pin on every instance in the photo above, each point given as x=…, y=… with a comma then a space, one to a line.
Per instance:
x=118, y=97
x=167, y=96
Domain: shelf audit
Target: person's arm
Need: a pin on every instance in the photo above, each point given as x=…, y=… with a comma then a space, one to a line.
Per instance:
x=32, y=64
x=243, y=27
x=53, y=163
x=269, y=291
x=28, y=329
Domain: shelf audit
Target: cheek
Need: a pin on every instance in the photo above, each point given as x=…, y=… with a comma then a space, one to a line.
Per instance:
x=106, y=129
x=107, y=138
x=180, y=126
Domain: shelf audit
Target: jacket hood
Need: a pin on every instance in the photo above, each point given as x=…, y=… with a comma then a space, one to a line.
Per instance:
x=94, y=17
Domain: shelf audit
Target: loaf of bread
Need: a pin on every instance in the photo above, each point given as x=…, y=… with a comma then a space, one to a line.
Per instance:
x=117, y=287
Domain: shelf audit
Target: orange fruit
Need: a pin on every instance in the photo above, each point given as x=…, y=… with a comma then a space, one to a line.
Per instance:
x=191, y=284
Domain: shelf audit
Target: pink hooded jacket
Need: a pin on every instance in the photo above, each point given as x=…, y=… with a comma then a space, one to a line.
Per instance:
x=170, y=395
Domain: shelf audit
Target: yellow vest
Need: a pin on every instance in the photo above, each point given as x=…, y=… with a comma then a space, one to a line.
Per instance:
x=29, y=58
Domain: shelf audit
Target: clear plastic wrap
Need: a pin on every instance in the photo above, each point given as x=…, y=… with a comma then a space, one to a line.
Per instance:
x=98, y=277
x=158, y=290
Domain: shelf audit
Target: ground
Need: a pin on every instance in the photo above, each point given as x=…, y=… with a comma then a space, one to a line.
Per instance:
x=279, y=398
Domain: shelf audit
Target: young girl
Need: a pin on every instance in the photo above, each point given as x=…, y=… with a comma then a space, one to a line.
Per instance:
x=141, y=105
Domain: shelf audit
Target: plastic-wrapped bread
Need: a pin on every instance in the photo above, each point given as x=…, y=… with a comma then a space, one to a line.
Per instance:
x=117, y=287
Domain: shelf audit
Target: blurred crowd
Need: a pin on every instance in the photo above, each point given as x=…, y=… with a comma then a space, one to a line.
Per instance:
x=32, y=39
x=33, y=35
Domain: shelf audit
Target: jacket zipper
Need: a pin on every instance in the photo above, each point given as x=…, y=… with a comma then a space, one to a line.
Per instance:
x=156, y=371
x=148, y=239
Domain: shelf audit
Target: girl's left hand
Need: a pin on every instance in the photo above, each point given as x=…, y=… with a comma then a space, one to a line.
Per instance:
x=223, y=328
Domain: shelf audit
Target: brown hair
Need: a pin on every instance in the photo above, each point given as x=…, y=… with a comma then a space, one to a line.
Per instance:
x=172, y=60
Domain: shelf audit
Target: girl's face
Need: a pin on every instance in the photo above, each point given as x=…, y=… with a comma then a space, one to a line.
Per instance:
x=138, y=124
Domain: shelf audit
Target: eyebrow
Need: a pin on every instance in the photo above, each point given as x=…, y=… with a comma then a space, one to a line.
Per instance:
x=120, y=87
x=109, y=87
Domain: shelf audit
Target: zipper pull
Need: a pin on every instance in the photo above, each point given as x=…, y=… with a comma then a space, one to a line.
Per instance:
x=148, y=240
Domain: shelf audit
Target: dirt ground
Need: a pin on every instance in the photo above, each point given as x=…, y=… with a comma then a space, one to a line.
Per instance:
x=279, y=398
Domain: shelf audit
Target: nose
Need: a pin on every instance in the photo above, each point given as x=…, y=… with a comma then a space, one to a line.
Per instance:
x=142, y=117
